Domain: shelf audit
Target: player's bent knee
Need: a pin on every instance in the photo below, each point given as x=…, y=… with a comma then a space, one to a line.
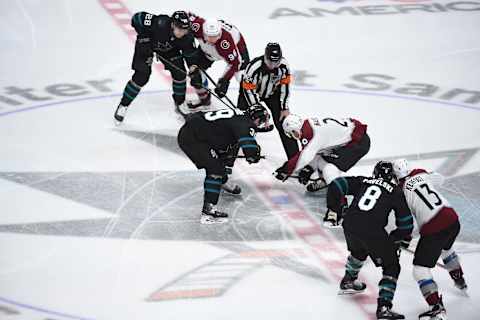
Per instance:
x=140, y=78
x=392, y=270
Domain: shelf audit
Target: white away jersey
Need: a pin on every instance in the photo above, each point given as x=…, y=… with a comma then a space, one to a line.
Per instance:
x=319, y=135
x=422, y=198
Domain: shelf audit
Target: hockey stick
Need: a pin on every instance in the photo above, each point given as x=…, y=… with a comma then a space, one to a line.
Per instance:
x=215, y=84
x=441, y=265
x=310, y=179
x=165, y=61
x=244, y=157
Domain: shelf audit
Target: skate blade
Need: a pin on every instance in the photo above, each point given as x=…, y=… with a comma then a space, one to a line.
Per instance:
x=329, y=225
x=117, y=123
x=349, y=292
x=210, y=220
x=441, y=316
x=228, y=193
x=231, y=192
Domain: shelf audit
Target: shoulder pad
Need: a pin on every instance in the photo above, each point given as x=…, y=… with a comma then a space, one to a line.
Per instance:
x=142, y=21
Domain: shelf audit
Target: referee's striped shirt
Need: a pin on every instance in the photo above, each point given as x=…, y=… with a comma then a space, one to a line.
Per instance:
x=259, y=82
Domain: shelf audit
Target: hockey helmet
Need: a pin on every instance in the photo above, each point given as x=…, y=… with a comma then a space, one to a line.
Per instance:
x=180, y=20
x=401, y=168
x=384, y=170
x=273, y=55
x=258, y=111
x=292, y=123
x=212, y=28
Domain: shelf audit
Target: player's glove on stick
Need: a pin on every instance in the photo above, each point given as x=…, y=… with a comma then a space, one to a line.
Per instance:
x=305, y=174
x=255, y=157
x=195, y=77
x=282, y=172
x=222, y=87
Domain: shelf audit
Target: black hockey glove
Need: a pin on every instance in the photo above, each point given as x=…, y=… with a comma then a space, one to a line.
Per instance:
x=255, y=157
x=282, y=172
x=265, y=129
x=332, y=219
x=195, y=77
x=305, y=174
x=222, y=87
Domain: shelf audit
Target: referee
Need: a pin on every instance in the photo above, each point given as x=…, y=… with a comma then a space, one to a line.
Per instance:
x=266, y=81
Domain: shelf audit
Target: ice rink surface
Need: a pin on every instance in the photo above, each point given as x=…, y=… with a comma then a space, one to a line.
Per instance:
x=101, y=222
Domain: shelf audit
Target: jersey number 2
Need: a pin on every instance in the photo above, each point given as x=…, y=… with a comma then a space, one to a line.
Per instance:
x=369, y=198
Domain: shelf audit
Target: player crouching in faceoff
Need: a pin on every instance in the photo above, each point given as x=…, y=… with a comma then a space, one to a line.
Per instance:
x=211, y=141
x=439, y=226
x=329, y=146
x=364, y=228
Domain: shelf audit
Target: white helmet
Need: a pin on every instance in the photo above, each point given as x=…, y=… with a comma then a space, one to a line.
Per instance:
x=212, y=28
x=401, y=169
x=291, y=123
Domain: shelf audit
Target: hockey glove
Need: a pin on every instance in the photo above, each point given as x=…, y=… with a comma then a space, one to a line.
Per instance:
x=305, y=174
x=195, y=77
x=282, y=172
x=255, y=157
x=332, y=219
x=265, y=129
x=222, y=87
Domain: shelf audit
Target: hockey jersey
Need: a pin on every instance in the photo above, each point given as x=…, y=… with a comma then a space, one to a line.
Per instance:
x=230, y=48
x=431, y=210
x=156, y=31
x=323, y=135
x=373, y=199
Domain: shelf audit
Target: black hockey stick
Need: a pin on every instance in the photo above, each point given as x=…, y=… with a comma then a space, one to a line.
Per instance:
x=215, y=84
x=165, y=61
x=310, y=179
x=244, y=157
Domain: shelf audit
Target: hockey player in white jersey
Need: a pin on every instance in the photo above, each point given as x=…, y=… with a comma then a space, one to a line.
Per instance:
x=329, y=146
x=439, y=226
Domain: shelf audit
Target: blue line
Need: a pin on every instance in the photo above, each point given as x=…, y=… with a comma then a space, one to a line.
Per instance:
x=26, y=306
x=362, y=93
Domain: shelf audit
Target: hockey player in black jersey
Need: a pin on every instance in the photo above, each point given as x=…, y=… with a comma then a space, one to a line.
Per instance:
x=267, y=81
x=364, y=223
x=211, y=141
x=170, y=39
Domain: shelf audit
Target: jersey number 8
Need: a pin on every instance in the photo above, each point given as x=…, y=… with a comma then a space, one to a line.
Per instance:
x=369, y=198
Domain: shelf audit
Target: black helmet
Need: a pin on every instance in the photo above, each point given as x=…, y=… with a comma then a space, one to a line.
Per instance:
x=273, y=53
x=257, y=111
x=180, y=20
x=384, y=170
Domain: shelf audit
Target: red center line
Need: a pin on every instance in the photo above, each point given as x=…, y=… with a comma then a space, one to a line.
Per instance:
x=322, y=244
